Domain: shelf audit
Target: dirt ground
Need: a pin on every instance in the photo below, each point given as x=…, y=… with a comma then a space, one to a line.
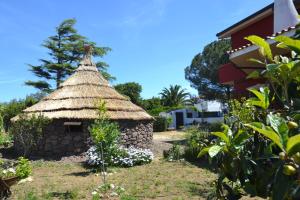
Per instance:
x=168, y=135
x=164, y=141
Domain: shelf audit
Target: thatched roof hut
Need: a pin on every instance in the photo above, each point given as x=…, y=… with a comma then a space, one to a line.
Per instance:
x=77, y=98
x=75, y=103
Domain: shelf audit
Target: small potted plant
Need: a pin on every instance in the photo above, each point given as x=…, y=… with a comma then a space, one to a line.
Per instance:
x=10, y=175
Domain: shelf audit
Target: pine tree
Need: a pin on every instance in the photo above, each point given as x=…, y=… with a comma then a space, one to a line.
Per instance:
x=66, y=48
x=203, y=71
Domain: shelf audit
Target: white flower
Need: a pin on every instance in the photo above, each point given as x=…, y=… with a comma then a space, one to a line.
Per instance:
x=4, y=171
x=12, y=170
x=132, y=156
x=94, y=193
x=112, y=186
x=113, y=194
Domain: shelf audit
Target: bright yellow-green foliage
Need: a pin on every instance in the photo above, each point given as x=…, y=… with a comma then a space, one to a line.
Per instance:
x=23, y=169
x=260, y=151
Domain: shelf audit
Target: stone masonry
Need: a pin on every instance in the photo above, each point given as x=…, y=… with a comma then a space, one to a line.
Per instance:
x=59, y=142
x=136, y=133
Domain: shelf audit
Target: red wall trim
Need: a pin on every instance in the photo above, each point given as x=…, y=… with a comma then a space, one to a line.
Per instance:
x=262, y=28
x=229, y=73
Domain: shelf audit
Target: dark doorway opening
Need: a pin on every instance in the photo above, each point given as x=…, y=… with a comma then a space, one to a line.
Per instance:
x=179, y=120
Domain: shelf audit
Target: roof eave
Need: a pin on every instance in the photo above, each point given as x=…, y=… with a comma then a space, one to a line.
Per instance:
x=245, y=22
x=250, y=20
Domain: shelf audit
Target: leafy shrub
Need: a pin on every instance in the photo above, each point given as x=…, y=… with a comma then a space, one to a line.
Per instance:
x=10, y=110
x=196, y=140
x=173, y=154
x=15, y=107
x=161, y=124
x=107, y=150
x=27, y=132
x=105, y=135
x=23, y=169
x=124, y=157
x=216, y=126
x=258, y=150
x=5, y=139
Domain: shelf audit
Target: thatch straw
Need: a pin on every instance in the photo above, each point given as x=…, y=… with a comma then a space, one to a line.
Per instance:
x=77, y=98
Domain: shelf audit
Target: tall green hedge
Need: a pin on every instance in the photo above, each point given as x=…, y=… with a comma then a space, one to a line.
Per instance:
x=161, y=124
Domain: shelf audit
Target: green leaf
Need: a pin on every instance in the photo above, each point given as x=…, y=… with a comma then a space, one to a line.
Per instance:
x=282, y=185
x=240, y=137
x=262, y=98
x=296, y=116
x=203, y=152
x=280, y=126
x=255, y=102
x=295, y=70
x=221, y=135
x=259, y=127
x=293, y=145
x=254, y=75
x=214, y=150
x=264, y=47
x=256, y=61
x=287, y=42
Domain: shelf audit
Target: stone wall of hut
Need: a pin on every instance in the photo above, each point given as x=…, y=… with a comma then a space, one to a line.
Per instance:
x=136, y=133
x=57, y=141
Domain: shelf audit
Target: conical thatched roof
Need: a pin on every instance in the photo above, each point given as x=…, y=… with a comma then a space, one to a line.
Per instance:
x=77, y=98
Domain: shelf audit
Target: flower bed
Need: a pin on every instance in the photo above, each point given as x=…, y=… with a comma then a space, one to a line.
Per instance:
x=125, y=157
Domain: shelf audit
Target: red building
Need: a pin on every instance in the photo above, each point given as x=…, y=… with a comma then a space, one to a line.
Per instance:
x=278, y=18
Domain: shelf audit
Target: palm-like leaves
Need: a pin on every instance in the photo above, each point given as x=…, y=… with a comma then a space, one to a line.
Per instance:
x=174, y=96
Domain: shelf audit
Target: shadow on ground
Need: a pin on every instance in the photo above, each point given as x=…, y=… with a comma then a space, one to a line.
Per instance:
x=62, y=195
x=82, y=174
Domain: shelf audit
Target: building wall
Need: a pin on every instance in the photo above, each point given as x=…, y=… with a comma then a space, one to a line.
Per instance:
x=56, y=142
x=195, y=118
x=262, y=28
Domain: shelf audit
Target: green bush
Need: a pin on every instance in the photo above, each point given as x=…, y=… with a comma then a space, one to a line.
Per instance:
x=155, y=111
x=105, y=134
x=15, y=107
x=214, y=127
x=173, y=154
x=161, y=124
x=27, y=132
x=5, y=139
x=10, y=110
x=196, y=140
x=23, y=169
x=258, y=150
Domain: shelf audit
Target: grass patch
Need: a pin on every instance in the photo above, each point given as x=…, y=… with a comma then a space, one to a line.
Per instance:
x=159, y=179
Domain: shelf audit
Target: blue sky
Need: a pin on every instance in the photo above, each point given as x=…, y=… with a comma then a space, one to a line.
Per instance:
x=152, y=41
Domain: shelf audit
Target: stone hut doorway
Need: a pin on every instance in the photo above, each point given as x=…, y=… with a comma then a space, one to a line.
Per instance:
x=73, y=127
